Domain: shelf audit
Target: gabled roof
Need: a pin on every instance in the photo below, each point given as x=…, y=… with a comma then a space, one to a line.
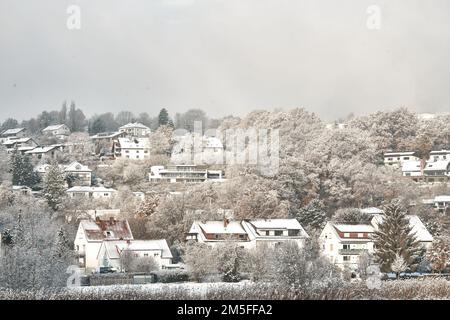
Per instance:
x=12, y=131
x=372, y=210
x=14, y=141
x=354, y=228
x=41, y=149
x=134, y=125
x=441, y=152
x=111, y=229
x=106, y=135
x=114, y=248
x=54, y=127
x=77, y=167
x=217, y=227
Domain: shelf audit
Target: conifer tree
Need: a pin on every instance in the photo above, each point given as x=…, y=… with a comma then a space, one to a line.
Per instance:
x=313, y=215
x=54, y=190
x=22, y=170
x=163, y=117
x=394, y=237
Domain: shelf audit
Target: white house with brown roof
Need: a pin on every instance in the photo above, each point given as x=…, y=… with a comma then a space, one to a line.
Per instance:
x=111, y=251
x=91, y=234
x=343, y=244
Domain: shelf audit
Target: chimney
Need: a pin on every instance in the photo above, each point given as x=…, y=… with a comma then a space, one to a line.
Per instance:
x=225, y=222
x=111, y=220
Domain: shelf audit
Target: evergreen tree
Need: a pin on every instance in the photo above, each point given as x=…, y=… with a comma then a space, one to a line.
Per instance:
x=19, y=232
x=394, y=237
x=97, y=126
x=54, y=190
x=163, y=117
x=22, y=170
x=313, y=215
x=7, y=238
x=62, y=245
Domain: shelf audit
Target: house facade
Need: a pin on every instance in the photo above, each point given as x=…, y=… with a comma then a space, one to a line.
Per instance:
x=59, y=131
x=343, y=244
x=45, y=153
x=111, y=252
x=398, y=158
x=135, y=129
x=248, y=234
x=134, y=148
x=15, y=133
x=90, y=236
x=20, y=144
x=78, y=192
x=184, y=174
x=81, y=175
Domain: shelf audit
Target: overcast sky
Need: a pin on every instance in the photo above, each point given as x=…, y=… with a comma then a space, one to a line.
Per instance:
x=224, y=56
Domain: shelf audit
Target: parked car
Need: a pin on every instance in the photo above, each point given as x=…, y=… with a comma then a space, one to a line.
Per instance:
x=105, y=270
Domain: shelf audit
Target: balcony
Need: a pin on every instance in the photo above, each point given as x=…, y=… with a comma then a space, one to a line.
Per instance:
x=346, y=252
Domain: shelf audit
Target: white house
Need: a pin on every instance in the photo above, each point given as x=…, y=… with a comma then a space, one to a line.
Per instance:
x=15, y=133
x=248, y=234
x=134, y=148
x=184, y=174
x=59, y=131
x=412, y=168
x=111, y=251
x=442, y=203
x=441, y=155
x=343, y=244
x=398, y=158
x=197, y=149
x=48, y=152
x=91, y=192
x=273, y=232
x=21, y=144
x=135, y=129
x=81, y=174
x=437, y=171
x=22, y=190
x=91, y=234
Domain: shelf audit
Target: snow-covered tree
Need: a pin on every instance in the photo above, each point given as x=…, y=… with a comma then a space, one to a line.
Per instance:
x=394, y=237
x=313, y=215
x=230, y=258
x=54, y=189
x=351, y=216
x=438, y=255
x=22, y=170
x=399, y=265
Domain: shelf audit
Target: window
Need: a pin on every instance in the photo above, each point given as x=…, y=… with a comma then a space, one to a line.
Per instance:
x=405, y=158
x=346, y=235
x=346, y=258
x=267, y=233
x=145, y=254
x=106, y=194
x=278, y=233
x=155, y=255
x=360, y=235
x=293, y=233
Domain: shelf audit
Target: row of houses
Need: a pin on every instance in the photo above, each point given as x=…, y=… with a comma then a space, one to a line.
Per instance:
x=435, y=169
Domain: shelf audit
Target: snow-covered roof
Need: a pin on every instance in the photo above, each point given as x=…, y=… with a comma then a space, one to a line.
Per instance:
x=106, y=135
x=14, y=141
x=134, y=125
x=285, y=224
x=12, y=131
x=106, y=229
x=41, y=149
x=134, y=143
x=358, y=228
x=407, y=153
x=411, y=166
x=440, y=165
x=115, y=247
x=217, y=227
x=77, y=167
x=415, y=223
x=442, y=199
x=443, y=151
x=20, y=188
x=90, y=189
x=54, y=127
x=371, y=210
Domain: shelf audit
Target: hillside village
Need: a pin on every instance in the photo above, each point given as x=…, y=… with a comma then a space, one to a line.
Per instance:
x=122, y=196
